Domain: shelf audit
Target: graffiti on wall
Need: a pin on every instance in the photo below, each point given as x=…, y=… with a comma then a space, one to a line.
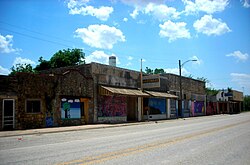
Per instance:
x=198, y=107
x=49, y=121
x=70, y=108
x=112, y=106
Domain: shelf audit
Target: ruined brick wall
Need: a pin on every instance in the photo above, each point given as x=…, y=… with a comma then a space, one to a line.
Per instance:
x=111, y=76
x=189, y=86
x=75, y=84
x=8, y=90
x=114, y=76
x=50, y=89
x=39, y=87
x=237, y=96
x=74, y=81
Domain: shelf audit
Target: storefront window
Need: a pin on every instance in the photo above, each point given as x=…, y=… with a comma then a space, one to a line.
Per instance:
x=70, y=108
x=157, y=106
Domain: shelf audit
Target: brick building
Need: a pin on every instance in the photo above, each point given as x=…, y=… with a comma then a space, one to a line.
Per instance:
x=90, y=93
x=193, y=95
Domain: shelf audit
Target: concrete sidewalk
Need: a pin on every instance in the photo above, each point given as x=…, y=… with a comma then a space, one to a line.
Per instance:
x=86, y=127
x=64, y=129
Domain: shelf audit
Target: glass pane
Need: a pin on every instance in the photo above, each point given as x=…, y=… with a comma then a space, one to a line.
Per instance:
x=33, y=106
x=36, y=106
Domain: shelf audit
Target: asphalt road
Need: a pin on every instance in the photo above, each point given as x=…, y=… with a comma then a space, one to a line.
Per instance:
x=222, y=139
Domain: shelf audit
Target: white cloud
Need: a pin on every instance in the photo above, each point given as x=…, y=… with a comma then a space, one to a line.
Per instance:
x=141, y=3
x=208, y=6
x=102, y=13
x=210, y=26
x=100, y=36
x=238, y=55
x=184, y=72
x=161, y=12
x=116, y=24
x=125, y=19
x=76, y=3
x=142, y=22
x=6, y=44
x=134, y=14
x=20, y=60
x=81, y=7
x=242, y=80
x=100, y=57
x=130, y=58
x=4, y=71
x=246, y=3
x=173, y=30
x=158, y=9
x=129, y=64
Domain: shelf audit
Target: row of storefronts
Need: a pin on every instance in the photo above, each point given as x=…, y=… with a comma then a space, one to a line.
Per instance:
x=94, y=93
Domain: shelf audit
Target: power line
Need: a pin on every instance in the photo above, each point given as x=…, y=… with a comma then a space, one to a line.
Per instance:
x=32, y=31
x=120, y=54
x=35, y=37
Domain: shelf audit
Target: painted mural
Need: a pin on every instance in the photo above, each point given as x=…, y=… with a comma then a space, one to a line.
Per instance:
x=198, y=108
x=157, y=106
x=70, y=108
x=49, y=121
x=112, y=106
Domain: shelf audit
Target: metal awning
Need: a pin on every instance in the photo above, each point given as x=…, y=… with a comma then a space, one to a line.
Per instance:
x=103, y=90
x=161, y=94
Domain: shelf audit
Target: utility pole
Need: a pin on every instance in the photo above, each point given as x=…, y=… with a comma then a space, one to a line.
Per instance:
x=243, y=99
x=141, y=77
x=180, y=66
x=180, y=108
x=140, y=99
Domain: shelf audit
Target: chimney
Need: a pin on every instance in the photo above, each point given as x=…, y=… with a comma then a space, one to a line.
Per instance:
x=112, y=60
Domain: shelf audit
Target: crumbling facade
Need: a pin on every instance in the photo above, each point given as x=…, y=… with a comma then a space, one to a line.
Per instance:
x=229, y=101
x=92, y=93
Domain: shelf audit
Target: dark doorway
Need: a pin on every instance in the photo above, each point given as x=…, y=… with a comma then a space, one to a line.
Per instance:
x=131, y=108
x=8, y=114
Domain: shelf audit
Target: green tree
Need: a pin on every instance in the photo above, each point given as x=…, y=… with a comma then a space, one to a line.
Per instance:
x=21, y=68
x=69, y=57
x=156, y=71
x=43, y=64
x=211, y=91
x=203, y=79
x=159, y=71
x=246, y=103
x=62, y=58
x=149, y=71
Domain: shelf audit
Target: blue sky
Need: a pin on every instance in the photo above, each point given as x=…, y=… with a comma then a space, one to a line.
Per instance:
x=161, y=32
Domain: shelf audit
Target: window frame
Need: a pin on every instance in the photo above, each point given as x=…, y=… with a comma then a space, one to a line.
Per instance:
x=26, y=107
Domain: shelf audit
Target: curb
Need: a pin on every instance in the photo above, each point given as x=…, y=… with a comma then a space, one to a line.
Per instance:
x=63, y=129
x=86, y=127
